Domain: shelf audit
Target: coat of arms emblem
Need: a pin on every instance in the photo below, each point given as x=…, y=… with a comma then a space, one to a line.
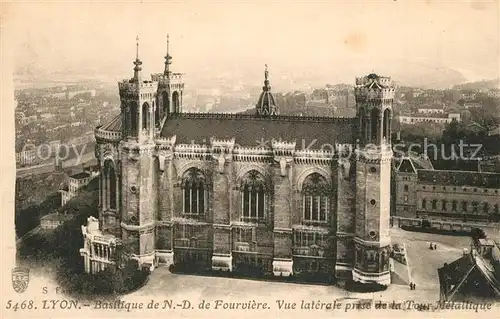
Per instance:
x=20, y=279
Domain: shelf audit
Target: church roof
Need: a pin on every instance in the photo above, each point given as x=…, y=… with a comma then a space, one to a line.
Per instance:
x=115, y=125
x=250, y=130
x=460, y=178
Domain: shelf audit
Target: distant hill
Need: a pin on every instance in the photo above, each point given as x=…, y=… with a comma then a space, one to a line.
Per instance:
x=486, y=84
x=427, y=77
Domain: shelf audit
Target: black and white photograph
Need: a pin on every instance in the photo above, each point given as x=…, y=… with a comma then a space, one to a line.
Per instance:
x=243, y=159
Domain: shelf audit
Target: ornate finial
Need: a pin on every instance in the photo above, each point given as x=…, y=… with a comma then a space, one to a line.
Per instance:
x=266, y=79
x=137, y=62
x=168, y=58
x=137, y=48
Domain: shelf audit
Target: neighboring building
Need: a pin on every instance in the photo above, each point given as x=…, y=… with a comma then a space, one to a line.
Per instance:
x=444, y=118
x=238, y=192
x=422, y=192
x=494, y=93
x=98, y=248
x=475, y=277
x=473, y=104
x=472, y=196
x=406, y=182
x=468, y=96
x=27, y=157
x=490, y=164
x=28, y=120
x=476, y=127
x=431, y=109
x=75, y=183
x=52, y=221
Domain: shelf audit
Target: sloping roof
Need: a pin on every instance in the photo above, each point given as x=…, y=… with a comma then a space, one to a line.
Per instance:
x=433, y=106
x=80, y=175
x=406, y=166
x=115, y=125
x=57, y=217
x=414, y=162
x=453, y=276
x=460, y=178
x=422, y=162
x=249, y=130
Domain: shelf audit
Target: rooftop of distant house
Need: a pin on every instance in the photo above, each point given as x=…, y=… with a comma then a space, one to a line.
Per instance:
x=434, y=106
x=57, y=217
x=460, y=178
x=80, y=175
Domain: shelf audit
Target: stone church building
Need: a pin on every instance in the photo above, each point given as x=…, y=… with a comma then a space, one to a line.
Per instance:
x=262, y=193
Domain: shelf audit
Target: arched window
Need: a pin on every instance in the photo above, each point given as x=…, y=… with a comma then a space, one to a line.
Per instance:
x=175, y=101
x=464, y=206
x=109, y=183
x=387, y=124
x=434, y=204
x=194, y=192
x=444, y=203
x=133, y=117
x=316, y=198
x=375, y=120
x=454, y=205
x=424, y=203
x=157, y=115
x=361, y=122
x=253, y=196
x=145, y=116
x=406, y=188
x=166, y=103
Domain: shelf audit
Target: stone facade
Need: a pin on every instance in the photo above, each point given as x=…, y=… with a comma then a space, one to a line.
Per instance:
x=422, y=192
x=192, y=190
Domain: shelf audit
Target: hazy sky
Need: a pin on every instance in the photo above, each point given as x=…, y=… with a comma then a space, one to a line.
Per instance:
x=348, y=38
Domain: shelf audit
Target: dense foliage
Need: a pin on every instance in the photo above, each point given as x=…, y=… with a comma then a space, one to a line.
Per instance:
x=61, y=248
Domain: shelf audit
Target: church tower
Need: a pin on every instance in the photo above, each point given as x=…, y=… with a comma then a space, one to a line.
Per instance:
x=170, y=91
x=138, y=170
x=138, y=104
x=374, y=99
x=266, y=105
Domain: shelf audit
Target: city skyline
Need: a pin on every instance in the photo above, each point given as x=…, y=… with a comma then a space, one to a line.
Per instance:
x=332, y=41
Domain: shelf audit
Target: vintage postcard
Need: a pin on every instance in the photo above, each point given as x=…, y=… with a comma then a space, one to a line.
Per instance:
x=256, y=159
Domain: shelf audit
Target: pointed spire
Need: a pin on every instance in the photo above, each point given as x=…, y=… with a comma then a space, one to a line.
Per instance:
x=168, y=58
x=266, y=86
x=137, y=62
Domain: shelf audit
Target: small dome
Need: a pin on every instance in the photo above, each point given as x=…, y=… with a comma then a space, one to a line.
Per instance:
x=266, y=104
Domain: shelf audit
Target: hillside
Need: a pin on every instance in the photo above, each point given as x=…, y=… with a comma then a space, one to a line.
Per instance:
x=484, y=85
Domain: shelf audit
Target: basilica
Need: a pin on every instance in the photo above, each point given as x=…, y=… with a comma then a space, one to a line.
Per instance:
x=263, y=192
